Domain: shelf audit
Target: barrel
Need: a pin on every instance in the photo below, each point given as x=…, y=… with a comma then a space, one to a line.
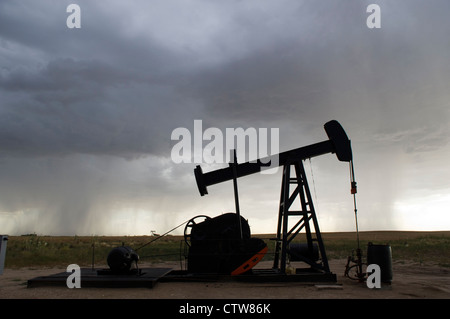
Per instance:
x=382, y=256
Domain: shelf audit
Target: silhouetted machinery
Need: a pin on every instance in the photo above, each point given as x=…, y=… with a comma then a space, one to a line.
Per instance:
x=120, y=259
x=224, y=245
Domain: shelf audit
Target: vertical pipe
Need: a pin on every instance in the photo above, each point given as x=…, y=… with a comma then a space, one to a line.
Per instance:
x=236, y=194
x=287, y=175
x=276, y=259
x=93, y=255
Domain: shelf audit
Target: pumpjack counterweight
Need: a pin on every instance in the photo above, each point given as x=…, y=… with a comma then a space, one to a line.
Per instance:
x=293, y=187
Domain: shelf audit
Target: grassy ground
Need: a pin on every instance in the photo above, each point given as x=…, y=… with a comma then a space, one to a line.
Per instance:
x=416, y=246
x=49, y=251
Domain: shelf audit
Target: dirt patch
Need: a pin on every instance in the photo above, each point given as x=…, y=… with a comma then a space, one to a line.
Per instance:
x=410, y=280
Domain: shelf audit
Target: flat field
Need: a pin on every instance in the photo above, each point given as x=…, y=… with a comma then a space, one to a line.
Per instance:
x=52, y=251
x=421, y=268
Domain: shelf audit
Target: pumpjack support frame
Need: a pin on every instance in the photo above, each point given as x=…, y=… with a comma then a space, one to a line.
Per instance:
x=305, y=216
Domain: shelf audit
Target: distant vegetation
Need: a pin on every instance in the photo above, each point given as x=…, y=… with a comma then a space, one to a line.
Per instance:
x=50, y=251
x=36, y=251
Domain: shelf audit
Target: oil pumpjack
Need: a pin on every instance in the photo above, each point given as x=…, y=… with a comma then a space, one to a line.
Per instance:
x=223, y=244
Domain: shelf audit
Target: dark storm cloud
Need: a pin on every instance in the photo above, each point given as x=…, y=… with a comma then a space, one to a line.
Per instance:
x=96, y=90
x=82, y=106
x=346, y=70
x=71, y=106
x=76, y=103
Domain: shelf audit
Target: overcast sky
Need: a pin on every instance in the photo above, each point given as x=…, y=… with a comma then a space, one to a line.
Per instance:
x=86, y=115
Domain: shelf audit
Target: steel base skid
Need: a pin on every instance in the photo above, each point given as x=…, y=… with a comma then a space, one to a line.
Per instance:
x=149, y=277
x=146, y=277
x=255, y=275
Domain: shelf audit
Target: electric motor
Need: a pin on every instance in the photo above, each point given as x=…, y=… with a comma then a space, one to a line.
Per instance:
x=121, y=258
